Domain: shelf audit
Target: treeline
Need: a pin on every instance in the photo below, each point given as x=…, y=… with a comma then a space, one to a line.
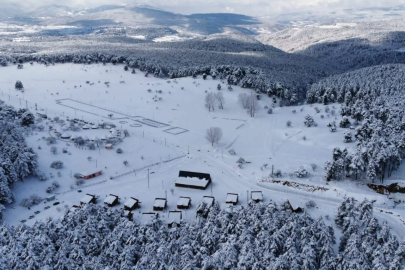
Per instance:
x=287, y=75
x=259, y=236
x=17, y=160
x=374, y=100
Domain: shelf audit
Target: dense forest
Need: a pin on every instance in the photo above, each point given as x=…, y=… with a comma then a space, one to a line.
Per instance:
x=258, y=236
x=373, y=99
x=17, y=160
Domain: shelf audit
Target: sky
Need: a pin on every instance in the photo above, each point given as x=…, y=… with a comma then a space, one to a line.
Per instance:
x=247, y=7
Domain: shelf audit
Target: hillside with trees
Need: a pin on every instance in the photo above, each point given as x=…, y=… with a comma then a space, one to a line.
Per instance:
x=17, y=160
x=373, y=99
x=259, y=236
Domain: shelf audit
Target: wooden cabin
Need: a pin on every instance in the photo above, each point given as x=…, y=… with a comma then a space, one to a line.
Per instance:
x=208, y=200
x=147, y=218
x=88, y=199
x=296, y=209
x=232, y=198
x=184, y=202
x=90, y=174
x=109, y=146
x=174, y=218
x=194, y=180
x=256, y=196
x=73, y=208
x=131, y=204
x=112, y=200
x=128, y=214
x=160, y=204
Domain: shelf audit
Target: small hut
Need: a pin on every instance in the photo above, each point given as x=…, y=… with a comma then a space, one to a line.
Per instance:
x=88, y=199
x=112, y=200
x=90, y=174
x=128, y=214
x=65, y=135
x=296, y=209
x=109, y=146
x=184, y=202
x=232, y=198
x=160, y=204
x=86, y=126
x=174, y=218
x=256, y=196
x=208, y=200
x=147, y=218
x=131, y=204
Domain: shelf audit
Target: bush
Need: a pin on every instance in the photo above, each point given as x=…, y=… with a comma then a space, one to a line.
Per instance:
x=310, y=204
x=79, y=182
x=51, y=140
x=52, y=187
x=301, y=172
x=54, y=150
x=309, y=121
x=77, y=176
x=57, y=164
x=313, y=166
x=32, y=200
x=270, y=111
x=288, y=123
x=277, y=173
x=119, y=151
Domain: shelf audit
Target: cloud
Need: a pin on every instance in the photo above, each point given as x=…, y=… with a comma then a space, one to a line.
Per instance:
x=248, y=7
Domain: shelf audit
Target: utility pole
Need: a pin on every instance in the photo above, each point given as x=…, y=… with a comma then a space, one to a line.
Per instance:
x=188, y=150
x=148, y=178
x=96, y=163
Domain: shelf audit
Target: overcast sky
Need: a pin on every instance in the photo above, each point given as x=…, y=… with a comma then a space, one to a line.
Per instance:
x=248, y=7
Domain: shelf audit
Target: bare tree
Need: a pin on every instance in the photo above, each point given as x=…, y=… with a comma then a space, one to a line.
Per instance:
x=243, y=100
x=210, y=101
x=220, y=100
x=252, y=105
x=214, y=134
x=53, y=150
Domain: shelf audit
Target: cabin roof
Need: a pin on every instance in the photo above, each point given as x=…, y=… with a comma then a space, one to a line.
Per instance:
x=198, y=175
x=174, y=216
x=110, y=199
x=130, y=202
x=183, y=201
x=231, y=197
x=86, y=199
x=159, y=203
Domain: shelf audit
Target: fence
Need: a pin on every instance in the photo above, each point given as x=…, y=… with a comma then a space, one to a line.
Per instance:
x=324, y=198
x=81, y=186
x=145, y=167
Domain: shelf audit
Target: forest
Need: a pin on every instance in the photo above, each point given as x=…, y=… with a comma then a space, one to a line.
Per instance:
x=373, y=99
x=257, y=236
x=17, y=160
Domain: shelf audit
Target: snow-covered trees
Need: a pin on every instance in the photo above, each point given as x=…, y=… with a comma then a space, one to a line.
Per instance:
x=19, y=85
x=220, y=100
x=57, y=164
x=213, y=135
x=249, y=102
x=210, y=101
x=258, y=236
x=17, y=160
x=309, y=121
x=301, y=172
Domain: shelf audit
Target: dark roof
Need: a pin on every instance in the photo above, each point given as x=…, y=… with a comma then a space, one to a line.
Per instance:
x=195, y=174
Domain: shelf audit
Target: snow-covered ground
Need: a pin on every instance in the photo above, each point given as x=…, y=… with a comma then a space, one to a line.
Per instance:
x=62, y=91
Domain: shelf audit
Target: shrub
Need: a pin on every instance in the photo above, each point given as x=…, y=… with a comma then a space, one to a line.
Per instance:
x=79, y=182
x=57, y=164
x=277, y=173
x=32, y=200
x=301, y=172
x=119, y=151
x=310, y=204
x=52, y=187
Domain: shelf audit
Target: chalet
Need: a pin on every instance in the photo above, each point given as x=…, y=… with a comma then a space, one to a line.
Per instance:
x=94, y=126
x=232, y=198
x=90, y=174
x=73, y=209
x=208, y=200
x=73, y=137
x=112, y=200
x=148, y=217
x=131, y=204
x=88, y=199
x=86, y=127
x=128, y=214
x=184, y=203
x=160, y=204
x=256, y=196
x=174, y=218
x=65, y=136
x=294, y=209
x=109, y=146
x=193, y=180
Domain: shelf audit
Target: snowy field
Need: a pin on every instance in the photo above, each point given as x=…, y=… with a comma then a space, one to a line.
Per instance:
x=166, y=122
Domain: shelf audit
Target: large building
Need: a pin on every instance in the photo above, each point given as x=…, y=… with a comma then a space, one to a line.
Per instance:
x=193, y=180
